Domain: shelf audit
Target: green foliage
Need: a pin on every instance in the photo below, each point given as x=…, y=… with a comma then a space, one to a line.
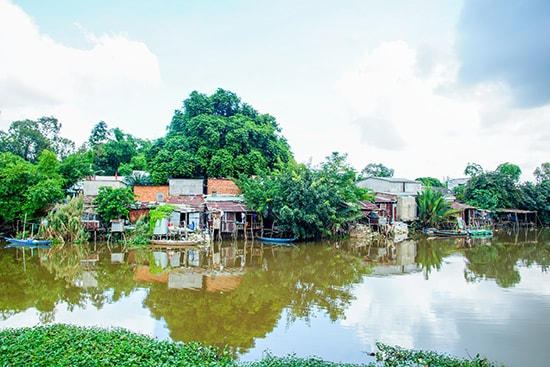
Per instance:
x=75, y=167
x=432, y=207
x=138, y=179
x=473, y=169
x=537, y=197
x=430, y=181
x=511, y=170
x=397, y=357
x=376, y=170
x=492, y=190
x=116, y=152
x=310, y=202
x=65, y=345
x=113, y=203
x=64, y=223
x=158, y=213
x=28, y=138
x=140, y=234
x=217, y=136
x=542, y=173
x=26, y=188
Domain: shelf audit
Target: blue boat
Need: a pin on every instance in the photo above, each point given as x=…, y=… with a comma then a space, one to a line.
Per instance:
x=27, y=243
x=276, y=240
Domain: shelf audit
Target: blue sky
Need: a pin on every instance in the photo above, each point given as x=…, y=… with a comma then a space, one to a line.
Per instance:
x=423, y=87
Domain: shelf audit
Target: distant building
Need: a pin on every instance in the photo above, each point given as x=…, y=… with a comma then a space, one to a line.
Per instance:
x=91, y=185
x=454, y=182
x=391, y=185
x=398, y=194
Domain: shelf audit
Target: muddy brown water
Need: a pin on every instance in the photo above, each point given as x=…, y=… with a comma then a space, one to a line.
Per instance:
x=333, y=300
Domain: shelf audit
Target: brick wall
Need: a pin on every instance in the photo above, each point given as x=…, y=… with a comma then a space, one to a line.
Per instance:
x=149, y=193
x=222, y=186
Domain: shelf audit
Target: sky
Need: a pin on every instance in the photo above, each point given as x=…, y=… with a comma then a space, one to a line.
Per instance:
x=424, y=87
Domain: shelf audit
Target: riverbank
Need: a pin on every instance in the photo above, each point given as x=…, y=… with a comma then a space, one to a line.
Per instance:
x=66, y=345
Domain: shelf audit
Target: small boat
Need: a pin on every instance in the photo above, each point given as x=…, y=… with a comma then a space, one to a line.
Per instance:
x=445, y=233
x=28, y=243
x=480, y=233
x=277, y=240
x=174, y=243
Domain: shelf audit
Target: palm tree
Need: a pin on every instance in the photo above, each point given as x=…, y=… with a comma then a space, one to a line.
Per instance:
x=432, y=207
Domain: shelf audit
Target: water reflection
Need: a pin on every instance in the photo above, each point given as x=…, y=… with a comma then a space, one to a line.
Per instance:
x=243, y=294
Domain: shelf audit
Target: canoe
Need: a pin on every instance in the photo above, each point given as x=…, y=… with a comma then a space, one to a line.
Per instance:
x=287, y=241
x=18, y=242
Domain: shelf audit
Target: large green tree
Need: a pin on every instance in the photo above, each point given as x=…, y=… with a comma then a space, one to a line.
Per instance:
x=308, y=202
x=115, y=151
x=28, y=138
x=26, y=188
x=114, y=203
x=217, y=136
x=493, y=190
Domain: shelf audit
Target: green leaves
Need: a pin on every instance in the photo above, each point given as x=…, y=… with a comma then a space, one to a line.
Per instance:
x=217, y=136
x=432, y=207
x=310, y=202
x=113, y=203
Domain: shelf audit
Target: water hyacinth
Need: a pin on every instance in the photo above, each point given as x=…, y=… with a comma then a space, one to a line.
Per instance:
x=66, y=345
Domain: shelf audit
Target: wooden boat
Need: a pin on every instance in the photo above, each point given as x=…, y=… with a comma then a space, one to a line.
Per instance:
x=277, y=240
x=445, y=233
x=475, y=233
x=174, y=243
x=28, y=243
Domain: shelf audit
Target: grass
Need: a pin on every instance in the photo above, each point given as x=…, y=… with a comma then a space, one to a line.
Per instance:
x=66, y=345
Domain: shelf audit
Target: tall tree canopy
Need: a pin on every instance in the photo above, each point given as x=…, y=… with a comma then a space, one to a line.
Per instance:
x=28, y=138
x=116, y=152
x=376, y=170
x=217, y=136
x=492, y=190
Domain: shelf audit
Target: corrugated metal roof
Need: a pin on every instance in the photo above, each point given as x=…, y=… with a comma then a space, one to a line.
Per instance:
x=461, y=206
x=193, y=201
x=226, y=206
x=367, y=205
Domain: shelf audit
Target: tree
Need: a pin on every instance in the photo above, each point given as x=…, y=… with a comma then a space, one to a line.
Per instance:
x=511, y=170
x=430, y=181
x=473, y=169
x=75, y=167
x=113, y=203
x=28, y=138
x=492, y=190
x=28, y=189
x=376, y=170
x=537, y=197
x=432, y=207
x=309, y=202
x=115, y=151
x=217, y=136
x=542, y=173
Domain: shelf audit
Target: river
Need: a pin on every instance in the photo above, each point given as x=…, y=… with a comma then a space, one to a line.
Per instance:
x=333, y=300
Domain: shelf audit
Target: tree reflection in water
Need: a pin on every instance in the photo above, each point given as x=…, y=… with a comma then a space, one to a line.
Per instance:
x=246, y=300
x=300, y=279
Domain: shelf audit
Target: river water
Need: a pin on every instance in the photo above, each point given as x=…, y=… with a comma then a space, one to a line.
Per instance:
x=333, y=300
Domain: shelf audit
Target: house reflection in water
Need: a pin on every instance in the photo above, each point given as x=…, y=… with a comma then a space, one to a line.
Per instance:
x=395, y=258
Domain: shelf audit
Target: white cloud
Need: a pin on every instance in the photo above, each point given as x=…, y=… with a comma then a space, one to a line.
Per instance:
x=39, y=76
x=412, y=117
